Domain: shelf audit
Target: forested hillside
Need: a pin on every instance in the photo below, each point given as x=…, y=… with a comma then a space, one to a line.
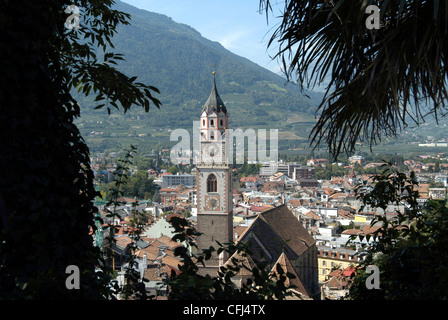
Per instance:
x=178, y=61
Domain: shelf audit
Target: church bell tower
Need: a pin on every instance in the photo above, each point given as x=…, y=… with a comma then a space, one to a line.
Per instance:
x=214, y=181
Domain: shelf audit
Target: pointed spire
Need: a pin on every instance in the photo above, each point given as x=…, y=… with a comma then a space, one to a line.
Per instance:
x=214, y=101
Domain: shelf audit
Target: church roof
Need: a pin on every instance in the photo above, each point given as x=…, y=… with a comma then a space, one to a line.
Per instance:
x=295, y=281
x=277, y=237
x=240, y=260
x=214, y=102
x=276, y=231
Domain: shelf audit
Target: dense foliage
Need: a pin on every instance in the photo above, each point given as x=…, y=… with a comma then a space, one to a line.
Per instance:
x=409, y=249
x=138, y=186
x=46, y=188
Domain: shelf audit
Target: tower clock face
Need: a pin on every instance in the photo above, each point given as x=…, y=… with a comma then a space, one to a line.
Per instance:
x=212, y=153
x=211, y=150
x=212, y=202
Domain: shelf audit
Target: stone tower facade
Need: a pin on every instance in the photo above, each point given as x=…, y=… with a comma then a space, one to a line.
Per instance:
x=214, y=181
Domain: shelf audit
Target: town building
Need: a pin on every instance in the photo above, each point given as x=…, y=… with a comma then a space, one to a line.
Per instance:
x=270, y=168
x=169, y=195
x=187, y=180
x=330, y=259
x=357, y=159
x=317, y=162
x=338, y=285
x=303, y=172
x=437, y=193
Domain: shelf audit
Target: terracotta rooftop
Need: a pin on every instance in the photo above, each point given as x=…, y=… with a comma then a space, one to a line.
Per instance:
x=312, y=215
x=123, y=241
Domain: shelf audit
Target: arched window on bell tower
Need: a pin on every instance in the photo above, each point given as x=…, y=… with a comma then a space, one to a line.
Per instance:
x=212, y=184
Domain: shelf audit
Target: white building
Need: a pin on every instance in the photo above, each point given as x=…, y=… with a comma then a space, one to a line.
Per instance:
x=330, y=213
x=187, y=180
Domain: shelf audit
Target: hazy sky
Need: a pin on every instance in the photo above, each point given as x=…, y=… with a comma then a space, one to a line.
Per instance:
x=235, y=24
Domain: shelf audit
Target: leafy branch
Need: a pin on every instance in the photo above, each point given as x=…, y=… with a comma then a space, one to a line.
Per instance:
x=409, y=247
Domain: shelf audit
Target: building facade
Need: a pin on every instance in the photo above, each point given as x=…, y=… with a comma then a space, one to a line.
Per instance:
x=169, y=195
x=302, y=172
x=335, y=258
x=187, y=180
x=214, y=181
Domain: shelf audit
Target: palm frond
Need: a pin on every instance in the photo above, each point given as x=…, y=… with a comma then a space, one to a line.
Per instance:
x=379, y=79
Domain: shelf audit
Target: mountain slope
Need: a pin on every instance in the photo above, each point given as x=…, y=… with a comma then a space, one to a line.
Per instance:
x=177, y=60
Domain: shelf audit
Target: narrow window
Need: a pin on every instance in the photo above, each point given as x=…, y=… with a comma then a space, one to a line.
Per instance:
x=203, y=122
x=212, y=185
x=222, y=123
x=211, y=123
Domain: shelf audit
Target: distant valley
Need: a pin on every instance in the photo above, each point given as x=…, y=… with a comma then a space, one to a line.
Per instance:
x=177, y=60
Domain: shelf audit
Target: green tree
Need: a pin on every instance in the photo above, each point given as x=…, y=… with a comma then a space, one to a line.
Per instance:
x=132, y=287
x=376, y=80
x=143, y=163
x=173, y=170
x=248, y=169
x=437, y=166
x=156, y=197
x=46, y=188
x=140, y=186
x=409, y=249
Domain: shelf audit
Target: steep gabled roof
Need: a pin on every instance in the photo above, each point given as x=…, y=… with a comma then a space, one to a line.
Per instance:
x=289, y=228
x=275, y=231
x=286, y=265
x=238, y=259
